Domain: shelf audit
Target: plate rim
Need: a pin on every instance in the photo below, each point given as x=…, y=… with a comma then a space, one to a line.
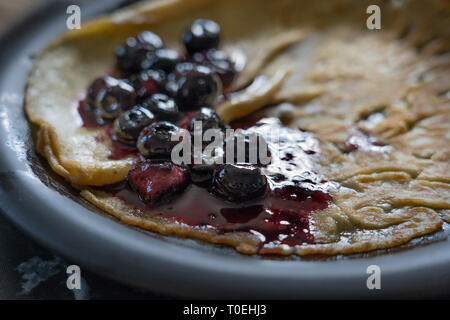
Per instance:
x=188, y=272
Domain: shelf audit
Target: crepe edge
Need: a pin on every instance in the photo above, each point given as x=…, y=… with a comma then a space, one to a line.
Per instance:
x=423, y=221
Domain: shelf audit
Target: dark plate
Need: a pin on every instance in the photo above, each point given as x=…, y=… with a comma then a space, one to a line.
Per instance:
x=48, y=209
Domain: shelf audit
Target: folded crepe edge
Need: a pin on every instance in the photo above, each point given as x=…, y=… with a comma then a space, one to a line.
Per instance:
x=72, y=170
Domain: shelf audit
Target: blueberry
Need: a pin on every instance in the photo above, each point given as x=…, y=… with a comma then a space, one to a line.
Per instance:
x=163, y=107
x=130, y=123
x=203, y=34
x=111, y=96
x=97, y=86
x=219, y=63
x=201, y=174
x=183, y=68
x=238, y=183
x=155, y=140
x=209, y=120
x=135, y=53
x=148, y=82
x=205, y=160
x=197, y=88
x=171, y=83
x=171, y=88
x=150, y=40
x=163, y=59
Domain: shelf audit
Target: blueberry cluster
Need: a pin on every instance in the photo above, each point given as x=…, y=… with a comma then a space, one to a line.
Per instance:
x=159, y=92
x=160, y=84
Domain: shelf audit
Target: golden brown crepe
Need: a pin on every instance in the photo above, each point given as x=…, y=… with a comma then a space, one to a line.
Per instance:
x=319, y=68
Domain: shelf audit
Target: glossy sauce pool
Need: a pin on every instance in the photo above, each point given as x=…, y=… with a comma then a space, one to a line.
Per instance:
x=273, y=220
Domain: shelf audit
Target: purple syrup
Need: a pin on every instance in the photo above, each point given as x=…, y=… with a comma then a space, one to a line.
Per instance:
x=282, y=217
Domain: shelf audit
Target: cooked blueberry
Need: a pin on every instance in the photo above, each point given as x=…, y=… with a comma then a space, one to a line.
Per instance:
x=201, y=174
x=212, y=150
x=171, y=83
x=197, y=88
x=155, y=140
x=135, y=53
x=157, y=182
x=130, y=123
x=171, y=88
x=97, y=86
x=219, y=63
x=150, y=39
x=116, y=100
x=111, y=96
x=163, y=107
x=238, y=183
x=209, y=120
x=203, y=34
x=163, y=59
x=148, y=82
x=183, y=68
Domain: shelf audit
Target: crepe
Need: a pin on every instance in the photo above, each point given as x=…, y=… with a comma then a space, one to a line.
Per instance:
x=320, y=69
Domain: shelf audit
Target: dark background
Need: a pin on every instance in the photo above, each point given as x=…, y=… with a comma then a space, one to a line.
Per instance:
x=29, y=271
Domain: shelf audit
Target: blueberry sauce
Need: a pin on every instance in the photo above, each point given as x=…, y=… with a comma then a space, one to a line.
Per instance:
x=281, y=217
